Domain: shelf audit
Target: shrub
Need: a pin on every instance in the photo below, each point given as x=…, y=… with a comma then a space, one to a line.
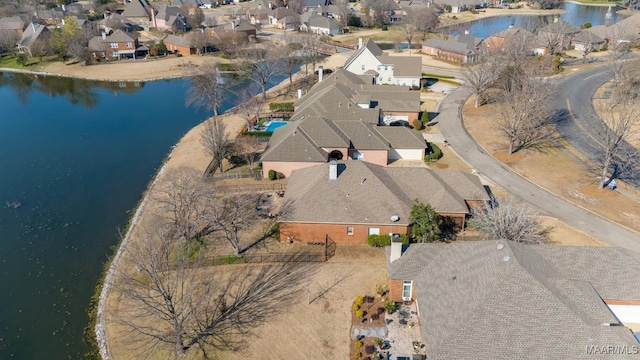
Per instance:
x=279, y=175
x=586, y=25
x=390, y=307
x=257, y=133
x=358, y=344
x=359, y=314
x=384, y=240
x=417, y=124
x=433, y=152
x=359, y=300
x=178, y=55
x=368, y=349
x=381, y=289
x=283, y=106
x=424, y=117
x=271, y=174
x=21, y=59
x=357, y=355
x=384, y=28
x=355, y=307
x=379, y=342
x=375, y=316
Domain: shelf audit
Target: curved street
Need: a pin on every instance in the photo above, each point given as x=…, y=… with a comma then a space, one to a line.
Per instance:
x=577, y=121
x=452, y=128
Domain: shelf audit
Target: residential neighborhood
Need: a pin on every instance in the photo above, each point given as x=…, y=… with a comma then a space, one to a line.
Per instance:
x=365, y=185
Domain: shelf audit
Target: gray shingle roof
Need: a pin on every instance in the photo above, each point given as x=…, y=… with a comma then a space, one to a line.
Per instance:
x=11, y=23
x=182, y=40
x=31, y=34
x=370, y=45
x=460, y=44
x=136, y=8
x=290, y=143
x=560, y=27
x=544, y=302
x=586, y=36
x=363, y=193
x=403, y=65
x=325, y=23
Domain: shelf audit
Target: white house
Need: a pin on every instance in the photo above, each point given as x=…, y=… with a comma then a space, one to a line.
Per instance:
x=369, y=59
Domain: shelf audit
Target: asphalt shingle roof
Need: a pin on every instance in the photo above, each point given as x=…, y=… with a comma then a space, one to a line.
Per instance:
x=364, y=193
x=460, y=44
x=479, y=300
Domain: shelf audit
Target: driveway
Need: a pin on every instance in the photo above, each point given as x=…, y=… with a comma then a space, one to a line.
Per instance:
x=451, y=126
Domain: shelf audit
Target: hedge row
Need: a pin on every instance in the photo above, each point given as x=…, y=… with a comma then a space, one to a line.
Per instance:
x=258, y=133
x=384, y=240
x=433, y=153
x=283, y=106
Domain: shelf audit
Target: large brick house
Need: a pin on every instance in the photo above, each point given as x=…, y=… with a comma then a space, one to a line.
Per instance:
x=463, y=48
x=498, y=299
x=118, y=45
x=344, y=118
x=348, y=200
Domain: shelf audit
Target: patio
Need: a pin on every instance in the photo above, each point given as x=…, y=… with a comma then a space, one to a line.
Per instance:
x=403, y=329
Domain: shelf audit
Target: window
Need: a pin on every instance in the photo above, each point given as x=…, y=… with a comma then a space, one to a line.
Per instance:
x=380, y=78
x=349, y=230
x=113, y=45
x=374, y=231
x=389, y=78
x=362, y=67
x=406, y=290
x=385, y=68
x=129, y=44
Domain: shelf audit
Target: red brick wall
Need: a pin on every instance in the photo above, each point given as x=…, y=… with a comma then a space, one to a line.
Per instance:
x=395, y=290
x=378, y=157
x=337, y=232
x=181, y=49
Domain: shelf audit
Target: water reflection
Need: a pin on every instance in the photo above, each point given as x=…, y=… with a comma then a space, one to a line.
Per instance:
x=76, y=91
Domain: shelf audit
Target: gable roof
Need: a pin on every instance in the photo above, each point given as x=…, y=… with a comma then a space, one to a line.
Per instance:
x=370, y=46
x=121, y=36
x=179, y=40
x=137, y=8
x=11, y=23
x=462, y=44
x=403, y=65
x=560, y=27
x=585, y=36
x=352, y=201
x=31, y=34
x=505, y=300
x=324, y=23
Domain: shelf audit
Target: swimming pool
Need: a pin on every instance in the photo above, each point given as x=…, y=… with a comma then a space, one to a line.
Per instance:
x=275, y=124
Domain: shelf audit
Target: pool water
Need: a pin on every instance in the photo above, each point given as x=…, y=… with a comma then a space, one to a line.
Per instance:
x=275, y=124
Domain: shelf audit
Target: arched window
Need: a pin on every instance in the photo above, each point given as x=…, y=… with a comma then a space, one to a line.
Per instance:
x=335, y=155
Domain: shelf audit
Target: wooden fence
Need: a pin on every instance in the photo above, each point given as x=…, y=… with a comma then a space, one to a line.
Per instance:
x=235, y=175
x=279, y=188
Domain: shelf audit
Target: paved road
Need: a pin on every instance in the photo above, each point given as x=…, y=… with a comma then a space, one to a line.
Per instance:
x=451, y=126
x=578, y=123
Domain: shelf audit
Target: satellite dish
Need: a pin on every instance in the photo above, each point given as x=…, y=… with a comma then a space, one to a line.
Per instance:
x=506, y=258
x=500, y=246
x=395, y=218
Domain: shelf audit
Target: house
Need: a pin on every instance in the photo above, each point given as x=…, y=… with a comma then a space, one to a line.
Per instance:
x=458, y=6
x=385, y=69
x=34, y=39
x=169, y=17
x=558, y=34
x=118, y=45
x=323, y=25
x=258, y=16
x=182, y=44
x=587, y=41
x=462, y=48
x=351, y=96
x=116, y=21
x=234, y=33
x=505, y=300
x=390, y=14
x=139, y=12
x=13, y=24
x=278, y=15
x=502, y=39
x=347, y=201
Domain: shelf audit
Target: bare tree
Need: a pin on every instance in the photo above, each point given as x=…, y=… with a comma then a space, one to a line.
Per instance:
x=343, y=12
x=310, y=51
x=408, y=28
x=621, y=125
x=216, y=142
x=174, y=305
x=291, y=58
x=480, y=76
x=8, y=41
x=248, y=147
x=524, y=111
x=230, y=215
x=506, y=220
x=380, y=9
x=208, y=88
x=262, y=65
x=426, y=20
x=249, y=106
x=183, y=200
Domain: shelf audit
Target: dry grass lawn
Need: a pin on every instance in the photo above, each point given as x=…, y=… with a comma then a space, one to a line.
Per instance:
x=555, y=168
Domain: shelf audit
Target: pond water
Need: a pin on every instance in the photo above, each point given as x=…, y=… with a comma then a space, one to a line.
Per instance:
x=75, y=157
x=575, y=14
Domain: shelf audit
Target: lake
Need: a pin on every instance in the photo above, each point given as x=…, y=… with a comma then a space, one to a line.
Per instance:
x=576, y=14
x=75, y=157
